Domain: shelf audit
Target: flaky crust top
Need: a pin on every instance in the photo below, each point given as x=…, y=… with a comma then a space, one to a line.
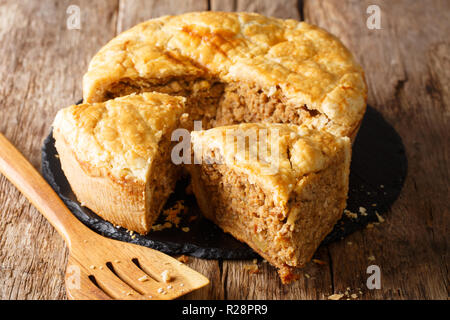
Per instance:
x=120, y=137
x=311, y=66
x=292, y=153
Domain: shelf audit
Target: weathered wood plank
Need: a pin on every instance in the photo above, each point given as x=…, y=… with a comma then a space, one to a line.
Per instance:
x=407, y=71
x=132, y=12
x=314, y=282
x=212, y=270
x=287, y=9
x=41, y=69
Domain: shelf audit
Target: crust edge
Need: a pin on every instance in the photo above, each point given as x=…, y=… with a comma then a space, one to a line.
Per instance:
x=120, y=204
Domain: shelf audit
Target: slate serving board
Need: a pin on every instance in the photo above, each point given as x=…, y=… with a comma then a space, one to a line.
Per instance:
x=378, y=171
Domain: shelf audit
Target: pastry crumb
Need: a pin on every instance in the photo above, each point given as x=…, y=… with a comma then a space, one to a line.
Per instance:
x=371, y=225
x=336, y=296
x=320, y=262
x=252, y=268
x=172, y=214
x=159, y=227
x=380, y=218
x=183, y=259
x=143, y=278
x=165, y=276
x=350, y=214
x=363, y=211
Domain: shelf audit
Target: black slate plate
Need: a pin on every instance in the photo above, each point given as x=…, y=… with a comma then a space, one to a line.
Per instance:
x=378, y=171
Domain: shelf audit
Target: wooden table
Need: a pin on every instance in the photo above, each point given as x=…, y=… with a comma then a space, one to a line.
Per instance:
x=407, y=65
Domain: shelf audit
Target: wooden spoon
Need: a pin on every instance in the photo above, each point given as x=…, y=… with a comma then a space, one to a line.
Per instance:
x=98, y=267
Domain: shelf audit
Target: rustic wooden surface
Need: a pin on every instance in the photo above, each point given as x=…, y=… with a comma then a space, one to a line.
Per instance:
x=407, y=69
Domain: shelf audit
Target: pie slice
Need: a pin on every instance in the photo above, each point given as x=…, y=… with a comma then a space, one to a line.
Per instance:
x=116, y=155
x=280, y=188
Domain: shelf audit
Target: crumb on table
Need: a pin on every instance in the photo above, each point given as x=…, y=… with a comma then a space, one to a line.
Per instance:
x=172, y=214
x=165, y=276
x=320, y=262
x=159, y=227
x=350, y=214
x=251, y=268
x=336, y=296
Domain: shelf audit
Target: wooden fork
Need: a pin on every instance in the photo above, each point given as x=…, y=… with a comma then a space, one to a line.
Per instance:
x=98, y=267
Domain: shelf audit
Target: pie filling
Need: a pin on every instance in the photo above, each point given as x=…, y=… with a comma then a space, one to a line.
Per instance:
x=163, y=176
x=217, y=103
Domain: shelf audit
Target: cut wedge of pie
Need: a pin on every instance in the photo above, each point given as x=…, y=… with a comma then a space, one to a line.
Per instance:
x=116, y=155
x=279, y=188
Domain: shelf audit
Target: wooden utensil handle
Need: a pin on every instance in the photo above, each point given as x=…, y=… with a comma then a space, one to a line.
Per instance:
x=28, y=180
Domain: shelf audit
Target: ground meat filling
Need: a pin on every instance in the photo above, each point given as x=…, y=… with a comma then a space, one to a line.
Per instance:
x=249, y=212
x=244, y=210
x=203, y=95
x=218, y=104
x=161, y=182
x=245, y=102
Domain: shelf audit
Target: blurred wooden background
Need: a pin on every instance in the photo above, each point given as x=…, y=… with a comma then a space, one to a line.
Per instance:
x=407, y=65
